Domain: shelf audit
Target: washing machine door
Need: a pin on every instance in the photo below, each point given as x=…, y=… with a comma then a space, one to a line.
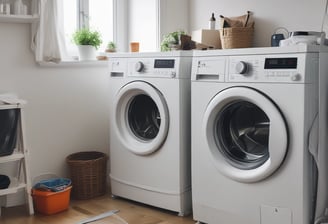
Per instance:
x=246, y=134
x=141, y=117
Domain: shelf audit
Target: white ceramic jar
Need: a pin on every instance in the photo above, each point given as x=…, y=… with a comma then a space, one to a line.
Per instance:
x=20, y=8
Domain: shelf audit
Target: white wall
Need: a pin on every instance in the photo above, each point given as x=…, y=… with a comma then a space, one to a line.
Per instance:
x=174, y=15
x=67, y=108
x=145, y=27
x=292, y=14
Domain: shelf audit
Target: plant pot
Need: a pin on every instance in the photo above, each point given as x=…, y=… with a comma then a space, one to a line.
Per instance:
x=110, y=50
x=87, y=52
x=174, y=46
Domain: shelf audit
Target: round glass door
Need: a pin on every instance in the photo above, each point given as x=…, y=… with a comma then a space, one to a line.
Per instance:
x=246, y=134
x=242, y=134
x=142, y=118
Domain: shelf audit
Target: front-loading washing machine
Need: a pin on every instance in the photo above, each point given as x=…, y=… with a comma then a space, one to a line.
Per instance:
x=255, y=135
x=150, y=145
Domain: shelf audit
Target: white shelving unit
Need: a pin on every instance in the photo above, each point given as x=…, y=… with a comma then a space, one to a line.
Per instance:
x=18, y=18
x=21, y=180
x=30, y=17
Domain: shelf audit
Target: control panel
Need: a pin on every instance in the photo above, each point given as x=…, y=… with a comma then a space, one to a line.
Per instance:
x=153, y=67
x=255, y=66
x=262, y=68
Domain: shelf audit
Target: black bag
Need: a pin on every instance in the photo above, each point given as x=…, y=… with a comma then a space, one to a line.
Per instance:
x=4, y=181
x=8, y=130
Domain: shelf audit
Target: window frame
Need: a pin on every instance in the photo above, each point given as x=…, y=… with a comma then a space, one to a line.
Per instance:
x=120, y=31
x=82, y=14
x=119, y=16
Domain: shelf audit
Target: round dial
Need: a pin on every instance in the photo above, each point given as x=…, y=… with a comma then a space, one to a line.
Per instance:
x=296, y=77
x=241, y=67
x=139, y=66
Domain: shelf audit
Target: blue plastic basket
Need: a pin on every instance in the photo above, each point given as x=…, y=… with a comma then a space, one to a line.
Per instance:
x=54, y=184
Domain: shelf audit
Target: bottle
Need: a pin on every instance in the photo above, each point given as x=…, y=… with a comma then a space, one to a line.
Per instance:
x=211, y=23
x=18, y=7
x=6, y=7
x=24, y=9
x=2, y=11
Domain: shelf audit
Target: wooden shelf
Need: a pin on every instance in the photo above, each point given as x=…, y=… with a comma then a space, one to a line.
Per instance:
x=13, y=188
x=4, y=106
x=14, y=157
x=18, y=18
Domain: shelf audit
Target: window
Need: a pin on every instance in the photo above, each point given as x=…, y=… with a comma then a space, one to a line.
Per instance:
x=101, y=18
x=70, y=21
x=95, y=14
x=143, y=23
x=121, y=21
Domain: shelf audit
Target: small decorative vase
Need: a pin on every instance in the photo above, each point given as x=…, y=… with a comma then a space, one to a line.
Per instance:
x=174, y=46
x=110, y=50
x=86, y=52
x=19, y=7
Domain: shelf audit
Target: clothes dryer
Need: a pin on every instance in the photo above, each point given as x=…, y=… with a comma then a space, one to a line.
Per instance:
x=150, y=128
x=255, y=135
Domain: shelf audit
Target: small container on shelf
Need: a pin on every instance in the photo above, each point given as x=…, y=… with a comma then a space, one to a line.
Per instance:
x=20, y=8
x=211, y=22
x=4, y=7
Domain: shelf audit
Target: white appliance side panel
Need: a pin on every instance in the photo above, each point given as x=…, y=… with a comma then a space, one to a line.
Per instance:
x=322, y=199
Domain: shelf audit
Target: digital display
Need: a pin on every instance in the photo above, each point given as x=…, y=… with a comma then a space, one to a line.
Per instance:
x=164, y=63
x=280, y=63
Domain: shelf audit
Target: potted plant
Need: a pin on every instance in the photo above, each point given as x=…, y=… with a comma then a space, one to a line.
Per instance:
x=171, y=41
x=111, y=47
x=88, y=42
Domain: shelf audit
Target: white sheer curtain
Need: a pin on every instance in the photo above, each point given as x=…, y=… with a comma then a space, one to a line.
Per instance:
x=48, y=42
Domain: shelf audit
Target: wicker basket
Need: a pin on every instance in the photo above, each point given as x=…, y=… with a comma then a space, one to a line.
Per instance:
x=88, y=174
x=236, y=37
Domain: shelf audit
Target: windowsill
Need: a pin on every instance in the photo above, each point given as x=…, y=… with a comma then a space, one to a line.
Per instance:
x=74, y=63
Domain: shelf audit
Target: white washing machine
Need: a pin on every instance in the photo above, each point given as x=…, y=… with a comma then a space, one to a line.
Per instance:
x=255, y=135
x=150, y=145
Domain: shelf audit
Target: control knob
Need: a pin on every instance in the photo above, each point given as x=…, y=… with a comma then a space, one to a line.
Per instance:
x=296, y=77
x=173, y=74
x=241, y=67
x=139, y=66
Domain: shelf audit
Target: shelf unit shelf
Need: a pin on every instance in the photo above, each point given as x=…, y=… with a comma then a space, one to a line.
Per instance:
x=19, y=18
x=19, y=180
x=14, y=187
x=12, y=158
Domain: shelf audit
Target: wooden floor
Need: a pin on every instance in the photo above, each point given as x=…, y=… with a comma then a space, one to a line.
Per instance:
x=130, y=212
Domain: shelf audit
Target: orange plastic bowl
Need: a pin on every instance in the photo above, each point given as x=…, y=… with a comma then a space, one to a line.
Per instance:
x=48, y=202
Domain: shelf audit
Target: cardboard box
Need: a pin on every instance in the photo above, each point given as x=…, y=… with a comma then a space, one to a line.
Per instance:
x=207, y=37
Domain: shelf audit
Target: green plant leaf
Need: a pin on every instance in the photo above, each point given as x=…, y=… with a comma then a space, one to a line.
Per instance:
x=171, y=38
x=86, y=36
x=111, y=45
